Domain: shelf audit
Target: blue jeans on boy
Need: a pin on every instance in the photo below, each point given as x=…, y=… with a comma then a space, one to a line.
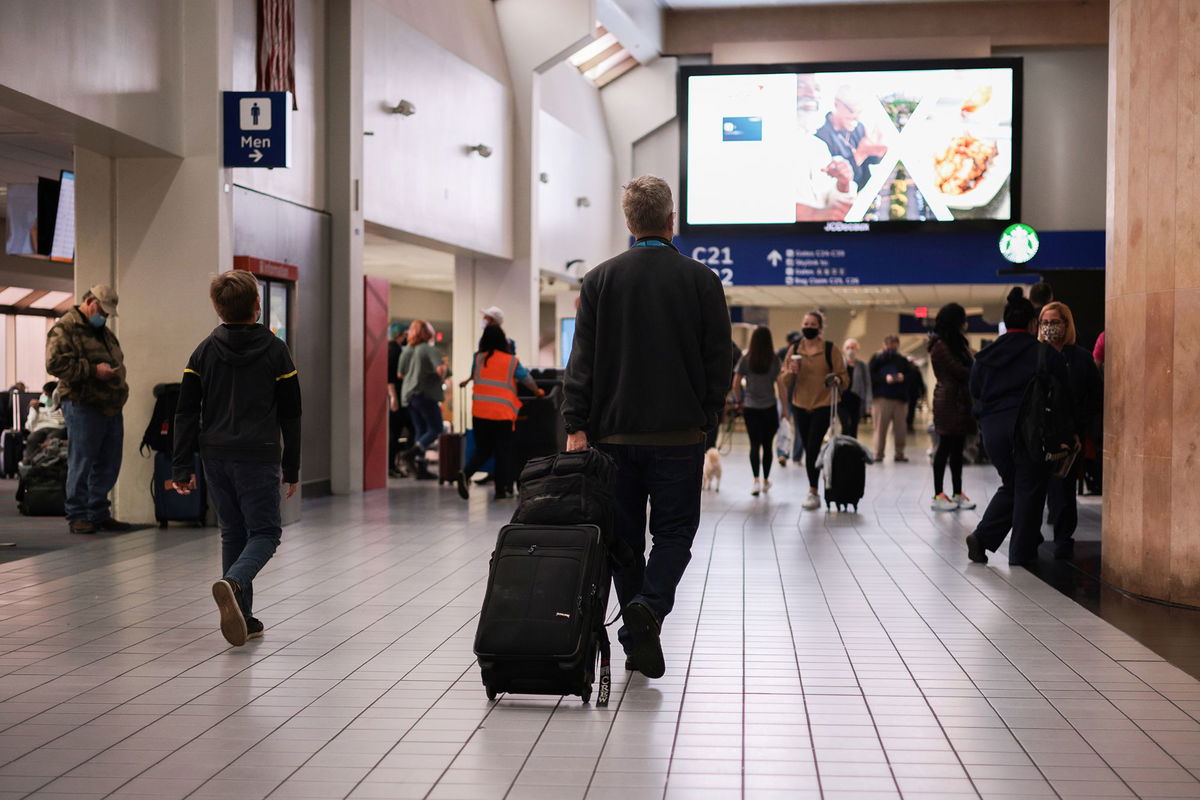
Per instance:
x=669, y=477
x=246, y=496
x=94, y=442
x=426, y=421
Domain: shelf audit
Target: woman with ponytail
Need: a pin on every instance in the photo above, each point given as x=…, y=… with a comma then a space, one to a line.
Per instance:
x=999, y=377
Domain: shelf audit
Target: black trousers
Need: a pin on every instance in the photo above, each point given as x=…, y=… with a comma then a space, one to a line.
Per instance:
x=1063, y=507
x=950, y=449
x=669, y=478
x=397, y=422
x=849, y=413
x=810, y=427
x=1017, y=504
x=493, y=439
x=761, y=426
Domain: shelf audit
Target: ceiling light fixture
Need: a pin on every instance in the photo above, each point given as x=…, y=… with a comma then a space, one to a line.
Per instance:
x=403, y=108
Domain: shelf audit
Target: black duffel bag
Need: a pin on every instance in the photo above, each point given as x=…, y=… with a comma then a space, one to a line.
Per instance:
x=573, y=488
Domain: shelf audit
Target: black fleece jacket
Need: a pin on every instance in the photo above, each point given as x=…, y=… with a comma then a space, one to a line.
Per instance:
x=651, y=352
x=1004, y=368
x=239, y=393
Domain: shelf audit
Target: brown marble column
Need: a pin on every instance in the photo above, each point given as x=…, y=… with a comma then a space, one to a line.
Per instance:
x=1152, y=372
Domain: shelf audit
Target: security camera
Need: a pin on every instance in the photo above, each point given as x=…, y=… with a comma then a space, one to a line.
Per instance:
x=483, y=150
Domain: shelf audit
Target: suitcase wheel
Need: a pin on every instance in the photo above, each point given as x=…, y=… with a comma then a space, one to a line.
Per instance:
x=162, y=523
x=491, y=693
x=586, y=694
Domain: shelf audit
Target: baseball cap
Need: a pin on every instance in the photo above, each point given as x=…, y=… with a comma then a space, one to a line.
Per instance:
x=794, y=336
x=107, y=298
x=395, y=329
x=495, y=313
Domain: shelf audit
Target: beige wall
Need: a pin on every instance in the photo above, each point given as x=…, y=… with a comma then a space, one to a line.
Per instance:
x=408, y=304
x=1005, y=24
x=419, y=177
x=1152, y=413
x=116, y=64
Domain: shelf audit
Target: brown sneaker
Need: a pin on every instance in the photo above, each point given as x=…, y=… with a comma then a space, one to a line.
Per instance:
x=81, y=526
x=112, y=524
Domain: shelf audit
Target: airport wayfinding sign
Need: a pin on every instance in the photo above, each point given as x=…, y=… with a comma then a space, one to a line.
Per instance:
x=257, y=129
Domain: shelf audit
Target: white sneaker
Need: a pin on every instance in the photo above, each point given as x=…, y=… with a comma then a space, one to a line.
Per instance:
x=766, y=485
x=757, y=488
x=943, y=503
x=964, y=502
x=812, y=502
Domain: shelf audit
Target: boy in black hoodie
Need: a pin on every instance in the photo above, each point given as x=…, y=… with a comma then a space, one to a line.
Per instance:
x=240, y=393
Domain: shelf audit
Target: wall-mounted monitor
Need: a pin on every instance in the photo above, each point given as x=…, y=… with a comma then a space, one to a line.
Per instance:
x=841, y=147
x=62, y=246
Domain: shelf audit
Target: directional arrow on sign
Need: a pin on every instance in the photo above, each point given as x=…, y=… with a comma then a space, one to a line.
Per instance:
x=774, y=257
x=256, y=157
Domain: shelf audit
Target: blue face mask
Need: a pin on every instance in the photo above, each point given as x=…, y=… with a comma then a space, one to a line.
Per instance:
x=97, y=320
x=44, y=400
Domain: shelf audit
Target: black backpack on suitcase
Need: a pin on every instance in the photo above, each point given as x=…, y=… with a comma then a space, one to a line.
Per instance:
x=542, y=624
x=846, y=486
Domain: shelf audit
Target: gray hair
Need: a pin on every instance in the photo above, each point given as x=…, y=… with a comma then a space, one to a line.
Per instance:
x=648, y=204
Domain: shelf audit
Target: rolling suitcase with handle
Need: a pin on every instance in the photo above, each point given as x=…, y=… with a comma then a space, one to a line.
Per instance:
x=843, y=460
x=541, y=629
x=451, y=447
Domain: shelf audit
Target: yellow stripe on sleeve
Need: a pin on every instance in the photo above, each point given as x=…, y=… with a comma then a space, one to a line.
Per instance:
x=291, y=374
x=192, y=371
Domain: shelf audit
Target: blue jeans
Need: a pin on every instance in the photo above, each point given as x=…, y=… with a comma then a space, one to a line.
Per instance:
x=246, y=496
x=94, y=442
x=669, y=477
x=426, y=421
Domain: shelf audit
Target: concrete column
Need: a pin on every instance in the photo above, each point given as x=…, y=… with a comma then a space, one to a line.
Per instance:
x=1152, y=372
x=344, y=46
x=157, y=230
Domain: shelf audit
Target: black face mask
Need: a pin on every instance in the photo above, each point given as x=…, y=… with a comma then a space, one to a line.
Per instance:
x=811, y=333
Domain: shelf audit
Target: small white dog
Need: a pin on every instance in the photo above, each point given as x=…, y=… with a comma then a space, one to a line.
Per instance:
x=712, y=470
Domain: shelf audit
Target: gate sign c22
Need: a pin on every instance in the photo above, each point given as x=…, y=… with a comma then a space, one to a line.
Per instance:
x=257, y=129
x=881, y=259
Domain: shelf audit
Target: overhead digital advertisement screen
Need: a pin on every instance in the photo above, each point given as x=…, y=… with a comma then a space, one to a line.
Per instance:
x=851, y=147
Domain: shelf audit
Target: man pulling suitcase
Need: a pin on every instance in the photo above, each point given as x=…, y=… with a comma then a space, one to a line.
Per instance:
x=647, y=377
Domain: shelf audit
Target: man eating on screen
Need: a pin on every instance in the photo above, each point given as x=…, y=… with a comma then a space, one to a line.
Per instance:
x=847, y=137
x=826, y=188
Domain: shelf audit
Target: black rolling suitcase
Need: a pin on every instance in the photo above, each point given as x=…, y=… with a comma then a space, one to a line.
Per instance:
x=540, y=429
x=844, y=461
x=170, y=505
x=542, y=624
x=12, y=447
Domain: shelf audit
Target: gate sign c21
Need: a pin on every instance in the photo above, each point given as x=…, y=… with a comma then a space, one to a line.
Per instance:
x=882, y=259
x=257, y=129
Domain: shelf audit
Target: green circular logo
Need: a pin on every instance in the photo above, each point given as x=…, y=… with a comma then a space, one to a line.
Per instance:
x=1018, y=243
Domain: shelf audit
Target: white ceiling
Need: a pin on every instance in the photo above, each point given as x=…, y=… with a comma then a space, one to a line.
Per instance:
x=408, y=265
x=699, y=4
x=27, y=151
x=897, y=298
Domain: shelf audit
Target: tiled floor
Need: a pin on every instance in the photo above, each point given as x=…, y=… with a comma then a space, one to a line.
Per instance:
x=810, y=655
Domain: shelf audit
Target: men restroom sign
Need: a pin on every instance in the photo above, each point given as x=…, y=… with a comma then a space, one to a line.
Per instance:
x=257, y=129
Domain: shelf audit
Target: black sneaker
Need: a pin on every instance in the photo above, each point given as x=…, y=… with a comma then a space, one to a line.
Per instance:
x=254, y=628
x=975, y=550
x=460, y=482
x=645, y=649
x=233, y=624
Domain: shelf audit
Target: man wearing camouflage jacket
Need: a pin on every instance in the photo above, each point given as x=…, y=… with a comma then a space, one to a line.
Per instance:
x=86, y=358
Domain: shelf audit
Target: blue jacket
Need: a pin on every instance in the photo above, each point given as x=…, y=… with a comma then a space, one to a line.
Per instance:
x=1004, y=368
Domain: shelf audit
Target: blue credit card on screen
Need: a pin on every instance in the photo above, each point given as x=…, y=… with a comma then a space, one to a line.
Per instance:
x=741, y=129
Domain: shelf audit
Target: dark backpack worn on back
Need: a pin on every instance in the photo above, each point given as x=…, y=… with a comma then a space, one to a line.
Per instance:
x=1046, y=419
x=160, y=431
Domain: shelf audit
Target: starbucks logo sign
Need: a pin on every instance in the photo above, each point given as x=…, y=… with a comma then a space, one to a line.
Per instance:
x=1018, y=243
